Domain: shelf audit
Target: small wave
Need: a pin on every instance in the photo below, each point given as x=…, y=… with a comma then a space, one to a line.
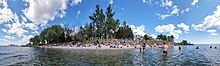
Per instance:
x=5, y=53
x=13, y=56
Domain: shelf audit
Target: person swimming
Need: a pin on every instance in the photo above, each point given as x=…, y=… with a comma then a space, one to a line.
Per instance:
x=179, y=47
x=197, y=47
x=215, y=47
x=210, y=46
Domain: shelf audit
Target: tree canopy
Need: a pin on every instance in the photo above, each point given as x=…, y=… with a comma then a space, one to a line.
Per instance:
x=165, y=38
x=54, y=34
x=102, y=25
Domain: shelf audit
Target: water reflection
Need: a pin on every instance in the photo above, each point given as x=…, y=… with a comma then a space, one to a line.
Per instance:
x=57, y=57
x=187, y=55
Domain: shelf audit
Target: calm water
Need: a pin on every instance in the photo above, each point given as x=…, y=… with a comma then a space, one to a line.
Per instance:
x=187, y=56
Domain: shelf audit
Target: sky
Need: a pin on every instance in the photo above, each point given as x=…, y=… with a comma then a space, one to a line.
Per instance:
x=197, y=21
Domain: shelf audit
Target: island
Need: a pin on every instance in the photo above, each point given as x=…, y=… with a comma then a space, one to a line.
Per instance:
x=104, y=31
x=184, y=42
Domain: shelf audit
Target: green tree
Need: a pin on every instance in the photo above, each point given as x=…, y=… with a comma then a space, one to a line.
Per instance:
x=184, y=42
x=124, y=32
x=111, y=23
x=54, y=34
x=162, y=37
x=98, y=18
x=147, y=37
x=170, y=38
x=36, y=40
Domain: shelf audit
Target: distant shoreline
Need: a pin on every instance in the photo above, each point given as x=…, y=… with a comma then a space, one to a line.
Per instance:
x=183, y=44
x=92, y=47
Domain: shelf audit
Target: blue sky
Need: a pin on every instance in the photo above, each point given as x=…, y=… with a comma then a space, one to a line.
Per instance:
x=197, y=21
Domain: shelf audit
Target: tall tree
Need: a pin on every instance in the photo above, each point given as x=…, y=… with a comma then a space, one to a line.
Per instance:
x=98, y=18
x=124, y=32
x=111, y=23
x=170, y=38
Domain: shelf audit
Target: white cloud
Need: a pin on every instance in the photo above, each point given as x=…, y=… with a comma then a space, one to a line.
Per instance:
x=8, y=25
x=174, y=11
x=170, y=28
x=138, y=30
x=9, y=37
x=182, y=11
x=210, y=21
x=77, y=15
x=4, y=30
x=24, y=40
x=35, y=32
x=213, y=34
x=32, y=26
x=153, y=36
x=15, y=28
x=147, y=1
x=24, y=18
x=194, y=2
x=184, y=26
x=40, y=11
x=187, y=9
x=75, y=2
x=111, y=2
x=166, y=3
x=165, y=28
x=6, y=13
x=144, y=1
x=211, y=31
x=164, y=16
x=5, y=41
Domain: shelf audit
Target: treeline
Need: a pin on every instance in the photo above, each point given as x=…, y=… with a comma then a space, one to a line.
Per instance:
x=102, y=26
x=54, y=34
x=165, y=38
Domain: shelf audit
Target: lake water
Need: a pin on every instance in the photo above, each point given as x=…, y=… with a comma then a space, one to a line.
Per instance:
x=187, y=56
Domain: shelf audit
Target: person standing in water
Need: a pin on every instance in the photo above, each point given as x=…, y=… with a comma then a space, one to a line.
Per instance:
x=165, y=48
x=143, y=45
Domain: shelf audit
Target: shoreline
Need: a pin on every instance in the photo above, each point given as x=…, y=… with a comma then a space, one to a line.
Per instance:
x=103, y=47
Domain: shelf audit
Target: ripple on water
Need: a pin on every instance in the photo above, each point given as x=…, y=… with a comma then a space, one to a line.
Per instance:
x=185, y=56
x=188, y=55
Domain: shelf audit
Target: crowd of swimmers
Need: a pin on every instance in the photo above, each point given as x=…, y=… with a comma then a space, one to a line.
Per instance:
x=209, y=47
